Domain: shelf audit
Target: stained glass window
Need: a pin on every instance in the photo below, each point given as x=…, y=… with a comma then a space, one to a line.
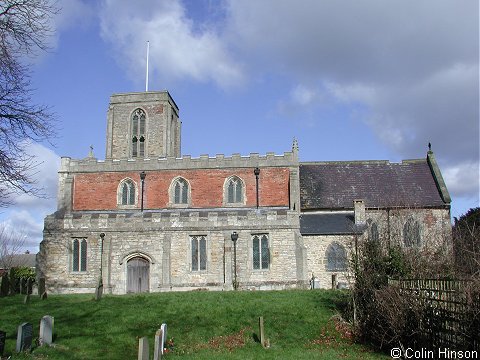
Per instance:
x=79, y=255
x=336, y=257
x=235, y=190
x=261, y=252
x=411, y=233
x=181, y=192
x=199, y=252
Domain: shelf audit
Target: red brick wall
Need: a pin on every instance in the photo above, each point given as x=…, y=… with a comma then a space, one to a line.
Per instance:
x=99, y=191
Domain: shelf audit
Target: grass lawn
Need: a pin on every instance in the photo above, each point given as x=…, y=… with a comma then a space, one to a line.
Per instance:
x=203, y=325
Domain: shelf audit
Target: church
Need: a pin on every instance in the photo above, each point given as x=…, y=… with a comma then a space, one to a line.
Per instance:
x=149, y=219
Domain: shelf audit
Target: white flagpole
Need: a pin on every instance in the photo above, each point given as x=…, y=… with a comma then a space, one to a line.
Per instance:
x=146, y=80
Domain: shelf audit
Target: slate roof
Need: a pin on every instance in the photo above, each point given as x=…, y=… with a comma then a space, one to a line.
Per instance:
x=334, y=223
x=18, y=260
x=335, y=185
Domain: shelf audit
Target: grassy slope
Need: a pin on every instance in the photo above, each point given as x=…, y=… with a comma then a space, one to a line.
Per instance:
x=204, y=325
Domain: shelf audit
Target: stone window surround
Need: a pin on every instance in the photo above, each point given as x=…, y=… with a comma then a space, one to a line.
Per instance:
x=207, y=253
x=225, y=192
x=71, y=255
x=260, y=270
x=130, y=132
x=171, y=194
x=119, y=194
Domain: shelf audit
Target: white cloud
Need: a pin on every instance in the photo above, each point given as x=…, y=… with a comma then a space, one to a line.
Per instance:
x=177, y=49
x=462, y=179
x=302, y=95
x=411, y=67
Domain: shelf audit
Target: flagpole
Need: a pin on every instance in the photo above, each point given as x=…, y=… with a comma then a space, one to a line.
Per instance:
x=146, y=77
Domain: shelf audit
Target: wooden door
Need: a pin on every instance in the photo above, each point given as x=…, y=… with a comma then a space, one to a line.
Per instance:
x=138, y=275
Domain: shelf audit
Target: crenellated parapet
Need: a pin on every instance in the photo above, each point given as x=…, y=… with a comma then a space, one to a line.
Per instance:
x=270, y=159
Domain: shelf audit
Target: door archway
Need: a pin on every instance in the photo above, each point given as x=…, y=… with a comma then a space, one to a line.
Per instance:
x=138, y=275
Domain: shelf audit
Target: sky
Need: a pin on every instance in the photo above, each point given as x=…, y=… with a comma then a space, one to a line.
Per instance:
x=350, y=80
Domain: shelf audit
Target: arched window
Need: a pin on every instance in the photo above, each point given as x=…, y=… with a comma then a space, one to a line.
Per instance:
x=411, y=233
x=126, y=195
x=138, y=133
x=234, y=190
x=373, y=232
x=79, y=255
x=199, y=252
x=336, y=257
x=179, y=192
x=261, y=252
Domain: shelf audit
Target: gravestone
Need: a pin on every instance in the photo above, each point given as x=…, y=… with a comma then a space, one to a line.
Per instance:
x=29, y=286
x=24, y=337
x=26, y=299
x=44, y=295
x=5, y=285
x=163, y=327
x=158, y=348
x=41, y=286
x=3, y=336
x=143, y=353
x=46, y=330
x=99, y=291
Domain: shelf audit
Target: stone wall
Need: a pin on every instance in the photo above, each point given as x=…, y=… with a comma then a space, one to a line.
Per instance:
x=162, y=124
x=316, y=246
x=163, y=238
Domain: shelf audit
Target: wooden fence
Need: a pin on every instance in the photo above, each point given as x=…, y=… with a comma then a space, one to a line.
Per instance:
x=451, y=316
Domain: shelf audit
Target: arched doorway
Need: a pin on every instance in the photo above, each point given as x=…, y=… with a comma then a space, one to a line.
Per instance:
x=138, y=275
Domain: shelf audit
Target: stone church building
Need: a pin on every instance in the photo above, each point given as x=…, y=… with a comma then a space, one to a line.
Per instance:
x=149, y=219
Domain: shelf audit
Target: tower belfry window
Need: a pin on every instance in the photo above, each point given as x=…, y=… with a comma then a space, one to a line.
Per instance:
x=138, y=133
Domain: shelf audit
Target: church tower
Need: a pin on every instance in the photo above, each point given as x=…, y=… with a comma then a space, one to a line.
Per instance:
x=143, y=126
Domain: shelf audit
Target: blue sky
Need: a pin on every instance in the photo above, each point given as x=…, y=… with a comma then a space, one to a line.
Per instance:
x=351, y=80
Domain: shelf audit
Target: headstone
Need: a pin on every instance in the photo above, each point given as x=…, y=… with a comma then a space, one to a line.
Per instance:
x=163, y=327
x=99, y=291
x=44, y=295
x=143, y=353
x=29, y=286
x=4, y=288
x=3, y=336
x=24, y=337
x=26, y=299
x=41, y=286
x=157, y=350
x=46, y=330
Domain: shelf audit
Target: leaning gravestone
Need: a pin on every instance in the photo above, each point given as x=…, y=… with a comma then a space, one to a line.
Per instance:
x=24, y=337
x=143, y=353
x=164, y=336
x=44, y=295
x=158, y=347
x=29, y=286
x=3, y=336
x=46, y=330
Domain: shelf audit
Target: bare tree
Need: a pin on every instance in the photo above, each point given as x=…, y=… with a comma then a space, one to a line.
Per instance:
x=466, y=235
x=11, y=243
x=25, y=26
